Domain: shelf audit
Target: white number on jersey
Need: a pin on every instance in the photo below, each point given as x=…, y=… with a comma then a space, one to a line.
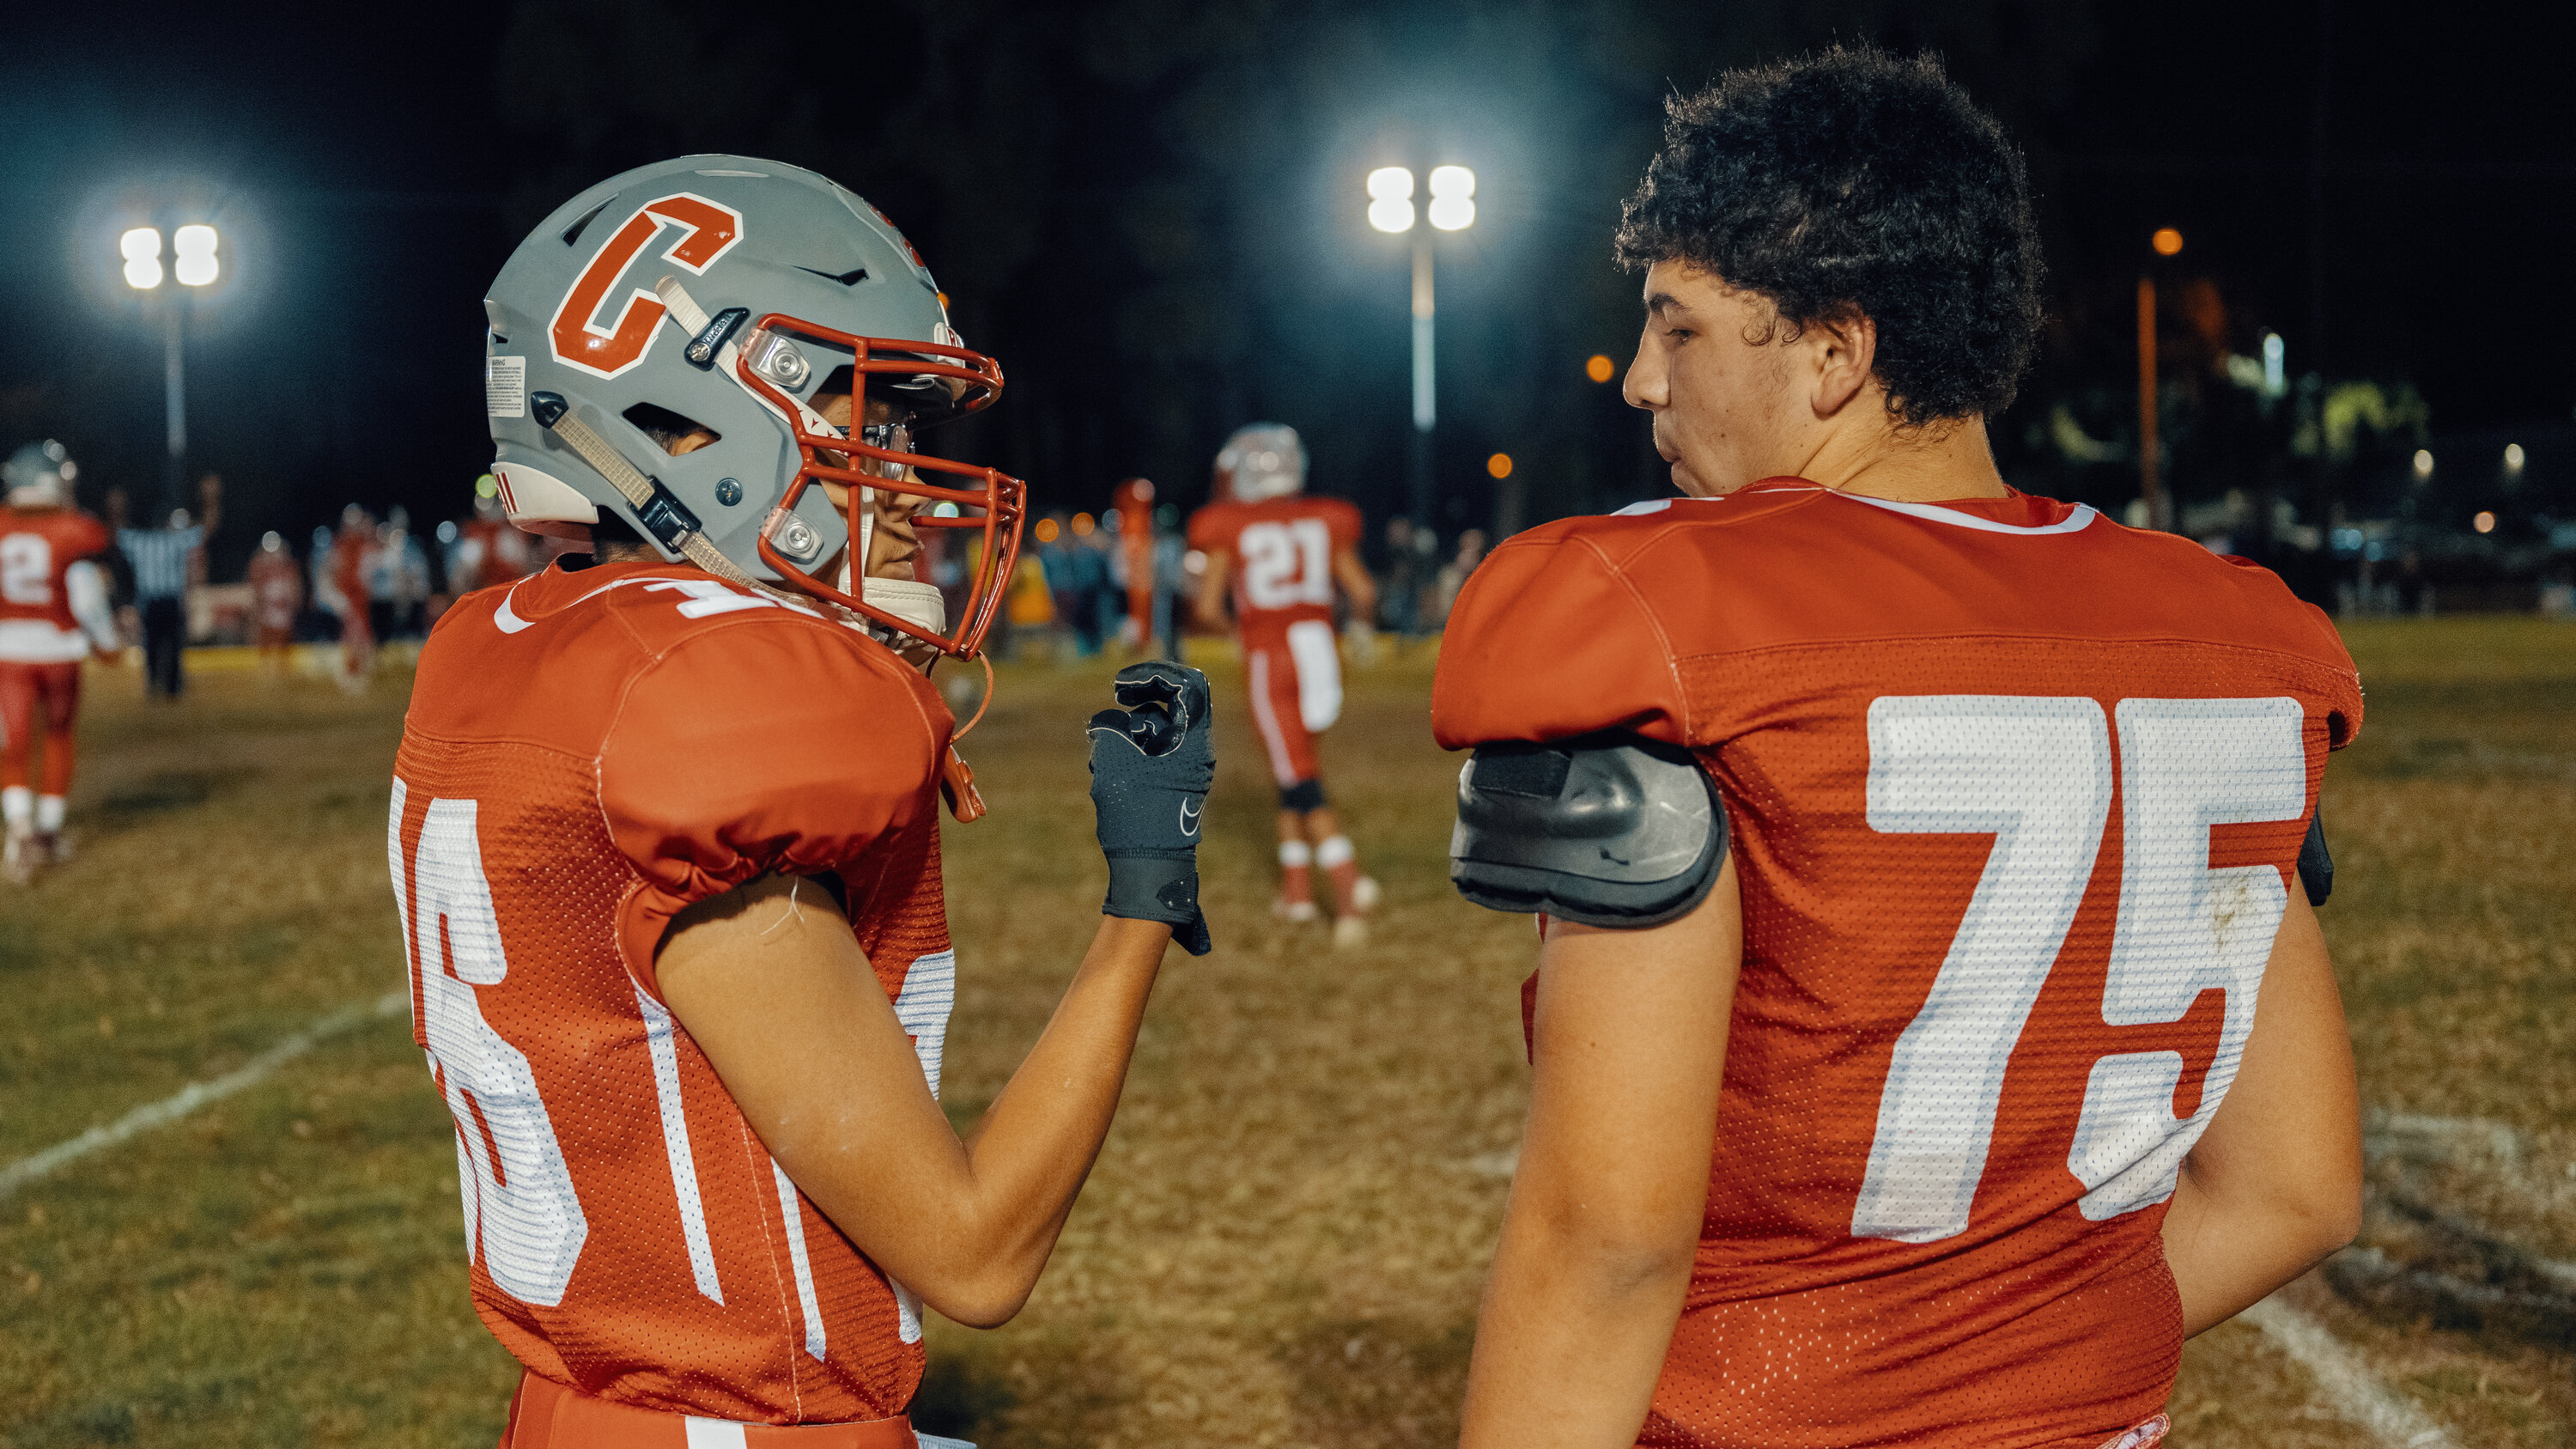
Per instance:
x=2036, y=773
x=1286, y=563
x=522, y=1217
x=26, y=569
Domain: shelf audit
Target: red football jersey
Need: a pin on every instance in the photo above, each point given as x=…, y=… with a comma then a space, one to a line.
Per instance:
x=2016, y=796
x=586, y=754
x=37, y=546
x=1283, y=557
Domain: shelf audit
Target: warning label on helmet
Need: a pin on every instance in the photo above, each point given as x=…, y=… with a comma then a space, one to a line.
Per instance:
x=505, y=387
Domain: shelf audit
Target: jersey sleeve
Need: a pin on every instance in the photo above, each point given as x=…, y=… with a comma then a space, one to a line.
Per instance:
x=758, y=749
x=88, y=537
x=1548, y=641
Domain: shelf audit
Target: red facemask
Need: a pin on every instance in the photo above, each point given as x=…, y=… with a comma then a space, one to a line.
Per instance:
x=880, y=458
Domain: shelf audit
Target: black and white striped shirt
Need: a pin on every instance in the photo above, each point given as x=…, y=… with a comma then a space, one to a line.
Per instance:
x=160, y=559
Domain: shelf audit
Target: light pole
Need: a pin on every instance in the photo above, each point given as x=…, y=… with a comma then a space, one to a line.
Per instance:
x=2151, y=487
x=194, y=262
x=1453, y=208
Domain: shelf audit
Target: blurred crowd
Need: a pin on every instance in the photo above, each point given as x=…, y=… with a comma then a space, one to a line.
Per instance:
x=1122, y=579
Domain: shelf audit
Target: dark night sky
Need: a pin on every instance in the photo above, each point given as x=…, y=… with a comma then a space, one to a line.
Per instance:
x=1149, y=210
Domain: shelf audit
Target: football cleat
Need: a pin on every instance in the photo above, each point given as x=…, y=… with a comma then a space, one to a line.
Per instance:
x=1294, y=912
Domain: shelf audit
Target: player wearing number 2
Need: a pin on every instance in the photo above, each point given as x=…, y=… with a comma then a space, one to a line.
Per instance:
x=53, y=614
x=1930, y=1030
x=665, y=835
x=1275, y=555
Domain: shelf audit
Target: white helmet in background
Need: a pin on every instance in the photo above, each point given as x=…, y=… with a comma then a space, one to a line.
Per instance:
x=1262, y=460
x=39, y=475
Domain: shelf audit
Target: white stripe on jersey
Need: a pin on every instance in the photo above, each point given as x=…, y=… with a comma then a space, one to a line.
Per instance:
x=789, y=1209
x=665, y=1051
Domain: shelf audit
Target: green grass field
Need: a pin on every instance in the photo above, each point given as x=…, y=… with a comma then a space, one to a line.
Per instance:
x=1285, y=1237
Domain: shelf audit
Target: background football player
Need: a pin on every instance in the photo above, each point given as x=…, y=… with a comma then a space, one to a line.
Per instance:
x=1276, y=554
x=53, y=614
x=1910, y=852
x=665, y=836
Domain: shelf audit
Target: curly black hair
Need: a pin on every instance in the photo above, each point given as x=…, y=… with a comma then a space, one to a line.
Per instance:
x=1857, y=182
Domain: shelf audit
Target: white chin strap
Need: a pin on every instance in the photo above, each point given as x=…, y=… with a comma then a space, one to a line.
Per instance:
x=918, y=604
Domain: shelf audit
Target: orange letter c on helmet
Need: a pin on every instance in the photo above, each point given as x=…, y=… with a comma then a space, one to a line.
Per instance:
x=707, y=229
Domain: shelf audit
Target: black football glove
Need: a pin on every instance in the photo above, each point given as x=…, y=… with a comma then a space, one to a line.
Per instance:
x=1151, y=764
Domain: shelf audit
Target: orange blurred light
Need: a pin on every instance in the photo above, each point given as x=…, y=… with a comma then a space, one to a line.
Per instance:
x=1500, y=465
x=1598, y=368
x=2483, y=523
x=1082, y=525
x=1046, y=530
x=2166, y=241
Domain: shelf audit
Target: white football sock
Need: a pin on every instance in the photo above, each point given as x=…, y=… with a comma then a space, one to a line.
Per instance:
x=1333, y=852
x=1294, y=853
x=18, y=807
x=49, y=814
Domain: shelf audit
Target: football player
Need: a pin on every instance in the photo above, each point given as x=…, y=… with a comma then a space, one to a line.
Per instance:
x=53, y=614
x=1931, y=1028
x=664, y=834
x=1276, y=555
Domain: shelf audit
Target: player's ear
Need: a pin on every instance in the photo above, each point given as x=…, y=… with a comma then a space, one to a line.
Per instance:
x=1841, y=349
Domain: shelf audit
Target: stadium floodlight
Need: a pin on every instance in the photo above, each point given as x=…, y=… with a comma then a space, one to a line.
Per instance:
x=195, y=245
x=141, y=249
x=2276, y=372
x=2513, y=458
x=1390, y=190
x=1453, y=191
x=2423, y=462
x=1390, y=209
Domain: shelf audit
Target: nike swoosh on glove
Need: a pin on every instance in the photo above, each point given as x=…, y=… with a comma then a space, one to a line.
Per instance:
x=1151, y=764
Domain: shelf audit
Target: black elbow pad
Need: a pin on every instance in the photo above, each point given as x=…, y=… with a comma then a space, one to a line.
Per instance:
x=1607, y=830
x=2316, y=867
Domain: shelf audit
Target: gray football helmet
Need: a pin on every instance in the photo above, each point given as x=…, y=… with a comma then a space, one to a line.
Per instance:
x=38, y=475
x=725, y=294
x=1262, y=460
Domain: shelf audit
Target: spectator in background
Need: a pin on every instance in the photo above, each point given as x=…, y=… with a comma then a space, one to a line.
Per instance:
x=397, y=579
x=1453, y=574
x=1400, y=596
x=340, y=583
x=276, y=598
x=1131, y=518
x=165, y=561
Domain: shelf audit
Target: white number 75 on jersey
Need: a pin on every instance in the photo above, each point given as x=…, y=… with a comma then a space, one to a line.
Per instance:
x=2036, y=774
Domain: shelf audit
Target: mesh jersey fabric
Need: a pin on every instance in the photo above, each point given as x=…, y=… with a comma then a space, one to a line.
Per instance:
x=2015, y=795
x=586, y=754
x=37, y=546
x=1282, y=550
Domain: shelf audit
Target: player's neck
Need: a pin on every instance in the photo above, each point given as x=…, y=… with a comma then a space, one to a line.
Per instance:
x=1939, y=461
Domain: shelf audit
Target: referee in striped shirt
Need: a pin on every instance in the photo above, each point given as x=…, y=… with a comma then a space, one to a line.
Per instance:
x=160, y=558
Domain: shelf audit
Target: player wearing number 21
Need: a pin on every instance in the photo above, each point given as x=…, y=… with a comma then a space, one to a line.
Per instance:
x=1931, y=1029
x=1274, y=554
x=665, y=835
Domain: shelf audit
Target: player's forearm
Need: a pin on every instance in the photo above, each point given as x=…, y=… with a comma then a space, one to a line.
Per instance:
x=2227, y=1254
x=1033, y=1149
x=1571, y=1340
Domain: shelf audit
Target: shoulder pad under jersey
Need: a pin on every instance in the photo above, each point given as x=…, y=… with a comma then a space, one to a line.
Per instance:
x=1607, y=830
x=2316, y=866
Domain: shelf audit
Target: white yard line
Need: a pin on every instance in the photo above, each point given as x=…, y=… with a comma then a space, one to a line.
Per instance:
x=2345, y=1383
x=197, y=1094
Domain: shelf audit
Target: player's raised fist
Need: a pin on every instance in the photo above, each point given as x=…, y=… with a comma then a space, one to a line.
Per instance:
x=1151, y=764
